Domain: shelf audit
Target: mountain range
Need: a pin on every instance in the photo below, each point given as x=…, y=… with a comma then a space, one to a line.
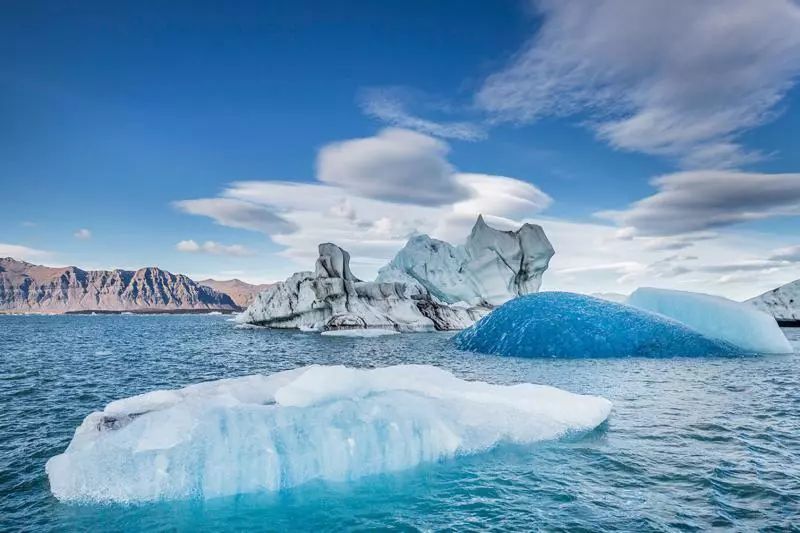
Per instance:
x=25, y=287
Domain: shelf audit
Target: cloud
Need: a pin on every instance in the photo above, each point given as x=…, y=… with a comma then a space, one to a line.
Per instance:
x=388, y=106
x=213, y=248
x=18, y=251
x=395, y=165
x=590, y=257
x=236, y=213
x=680, y=78
x=27, y=224
x=696, y=201
x=82, y=234
x=790, y=253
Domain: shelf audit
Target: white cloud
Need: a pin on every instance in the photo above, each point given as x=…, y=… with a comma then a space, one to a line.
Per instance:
x=83, y=234
x=680, y=78
x=25, y=253
x=696, y=201
x=236, y=213
x=388, y=106
x=395, y=165
x=590, y=257
x=789, y=253
x=214, y=248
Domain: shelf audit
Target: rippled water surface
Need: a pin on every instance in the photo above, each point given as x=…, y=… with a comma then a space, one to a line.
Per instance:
x=691, y=443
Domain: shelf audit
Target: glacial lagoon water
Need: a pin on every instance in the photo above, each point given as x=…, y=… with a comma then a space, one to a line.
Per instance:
x=692, y=443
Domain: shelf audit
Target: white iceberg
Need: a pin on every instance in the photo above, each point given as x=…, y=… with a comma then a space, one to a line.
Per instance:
x=430, y=285
x=332, y=298
x=491, y=268
x=360, y=333
x=265, y=433
x=715, y=317
x=783, y=303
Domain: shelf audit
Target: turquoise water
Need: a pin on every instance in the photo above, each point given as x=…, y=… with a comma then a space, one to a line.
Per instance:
x=691, y=443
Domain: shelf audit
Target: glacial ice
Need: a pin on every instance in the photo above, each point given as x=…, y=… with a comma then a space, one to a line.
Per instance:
x=739, y=324
x=265, y=433
x=563, y=324
x=361, y=333
x=429, y=285
x=332, y=298
x=492, y=267
x=782, y=302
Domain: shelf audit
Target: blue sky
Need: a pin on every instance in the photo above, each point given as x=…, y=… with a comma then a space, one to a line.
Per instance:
x=172, y=134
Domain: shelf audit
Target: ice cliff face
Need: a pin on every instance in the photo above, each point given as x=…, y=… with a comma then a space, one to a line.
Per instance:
x=332, y=298
x=429, y=285
x=492, y=268
x=783, y=303
x=32, y=288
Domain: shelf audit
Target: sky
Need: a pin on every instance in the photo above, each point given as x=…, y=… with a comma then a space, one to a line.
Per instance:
x=657, y=143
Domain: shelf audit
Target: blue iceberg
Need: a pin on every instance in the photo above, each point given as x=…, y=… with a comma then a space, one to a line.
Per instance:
x=740, y=324
x=563, y=324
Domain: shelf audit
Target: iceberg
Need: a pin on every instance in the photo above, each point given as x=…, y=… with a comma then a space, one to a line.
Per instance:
x=332, y=423
x=332, y=298
x=739, y=324
x=492, y=267
x=782, y=302
x=360, y=333
x=563, y=324
x=430, y=285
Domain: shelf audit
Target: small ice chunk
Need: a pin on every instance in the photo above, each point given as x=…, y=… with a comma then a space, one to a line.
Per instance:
x=364, y=333
x=739, y=324
x=265, y=433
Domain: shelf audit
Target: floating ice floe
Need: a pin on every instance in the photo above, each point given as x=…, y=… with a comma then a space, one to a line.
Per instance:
x=563, y=324
x=265, y=433
x=362, y=333
x=742, y=325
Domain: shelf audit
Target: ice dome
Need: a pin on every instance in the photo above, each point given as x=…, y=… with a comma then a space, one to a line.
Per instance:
x=264, y=433
x=563, y=324
x=742, y=325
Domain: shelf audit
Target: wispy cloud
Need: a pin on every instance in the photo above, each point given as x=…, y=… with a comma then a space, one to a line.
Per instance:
x=390, y=106
x=82, y=234
x=680, y=78
x=236, y=213
x=213, y=248
x=696, y=201
x=18, y=251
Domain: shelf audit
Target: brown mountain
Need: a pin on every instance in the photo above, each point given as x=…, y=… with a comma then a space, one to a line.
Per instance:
x=33, y=288
x=241, y=292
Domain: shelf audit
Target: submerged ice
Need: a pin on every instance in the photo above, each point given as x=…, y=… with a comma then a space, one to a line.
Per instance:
x=562, y=324
x=742, y=325
x=264, y=433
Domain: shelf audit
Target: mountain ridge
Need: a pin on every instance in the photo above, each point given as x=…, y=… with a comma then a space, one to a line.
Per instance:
x=27, y=287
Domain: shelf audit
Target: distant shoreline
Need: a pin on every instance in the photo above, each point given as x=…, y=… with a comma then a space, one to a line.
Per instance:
x=115, y=312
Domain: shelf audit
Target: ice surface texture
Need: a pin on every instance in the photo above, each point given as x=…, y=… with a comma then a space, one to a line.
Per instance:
x=360, y=333
x=492, y=267
x=782, y=302
x=331, y=298
x=264, y=433
x=563, y=324
x=740, y=324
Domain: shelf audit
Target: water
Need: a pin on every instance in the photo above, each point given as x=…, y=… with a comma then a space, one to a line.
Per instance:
x=691, y=443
